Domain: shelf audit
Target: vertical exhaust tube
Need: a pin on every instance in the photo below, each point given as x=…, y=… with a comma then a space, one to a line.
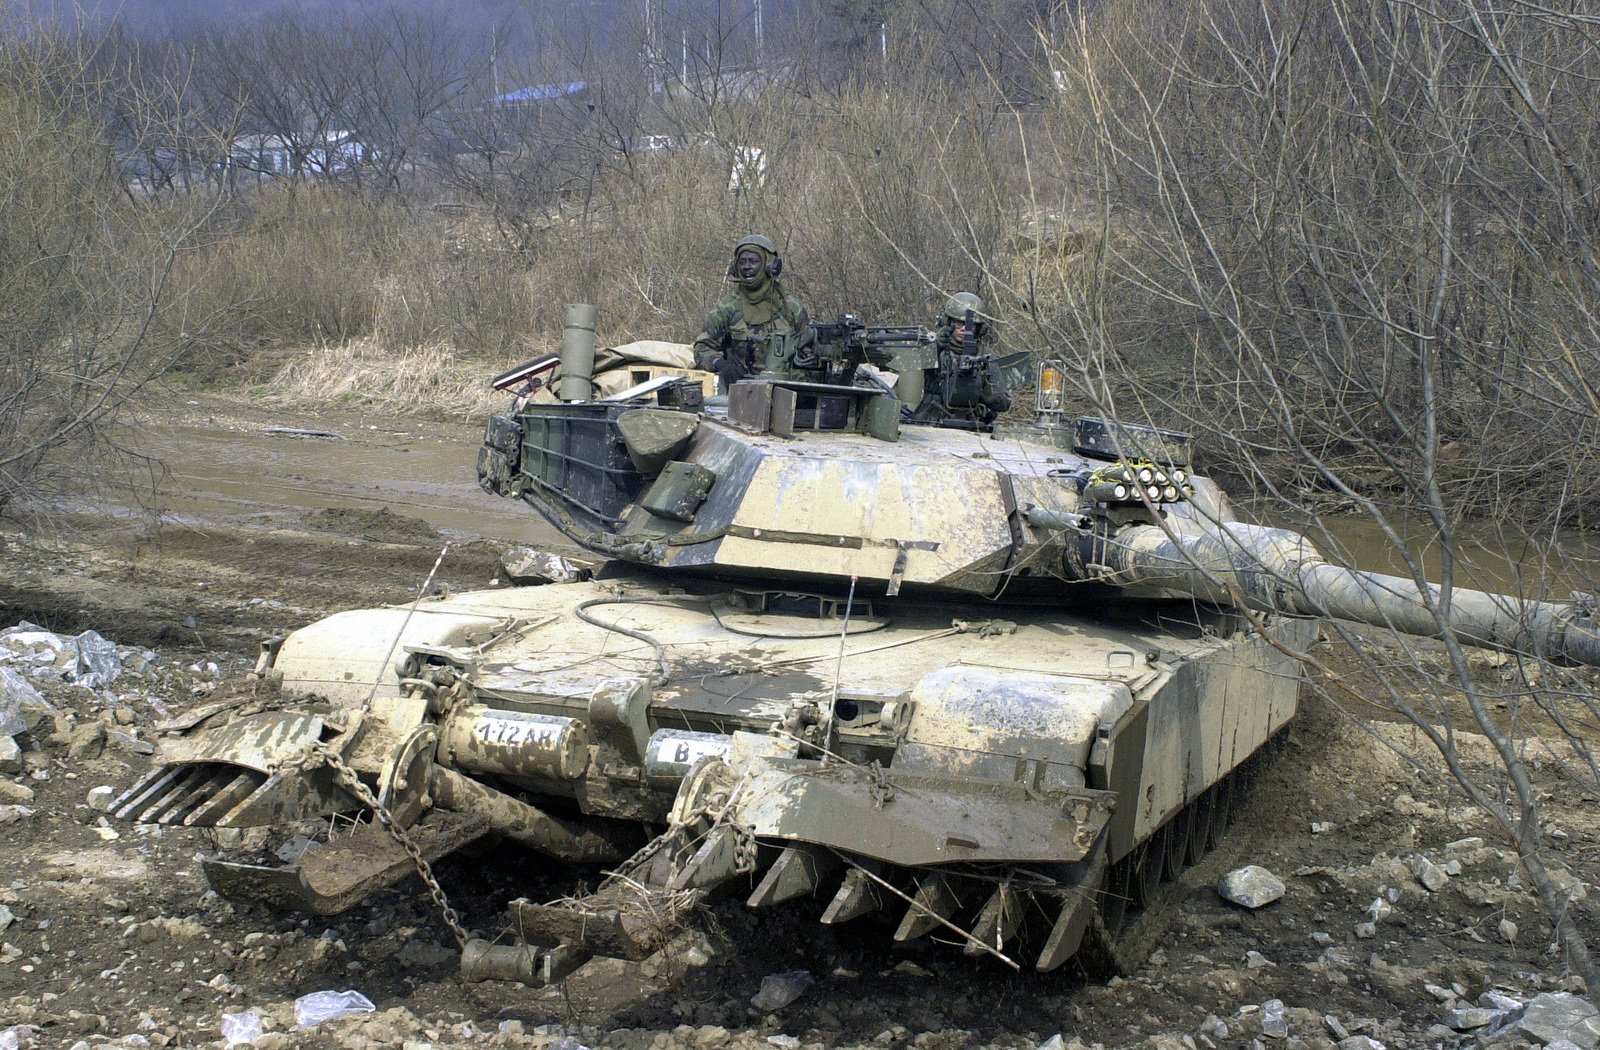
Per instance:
x=577, y=353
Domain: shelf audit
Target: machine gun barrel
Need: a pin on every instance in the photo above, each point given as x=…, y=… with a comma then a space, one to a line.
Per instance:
x=1276, y=570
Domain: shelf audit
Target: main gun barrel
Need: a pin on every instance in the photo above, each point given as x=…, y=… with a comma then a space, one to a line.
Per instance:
x=1276, y=570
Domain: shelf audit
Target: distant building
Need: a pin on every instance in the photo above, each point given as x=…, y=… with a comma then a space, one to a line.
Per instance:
x=329, y=154
x=534, y=94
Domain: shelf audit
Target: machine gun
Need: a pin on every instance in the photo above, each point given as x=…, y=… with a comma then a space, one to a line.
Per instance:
x=842, y=346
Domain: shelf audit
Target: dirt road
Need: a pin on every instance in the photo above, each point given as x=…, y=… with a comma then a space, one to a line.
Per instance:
x=109, y=934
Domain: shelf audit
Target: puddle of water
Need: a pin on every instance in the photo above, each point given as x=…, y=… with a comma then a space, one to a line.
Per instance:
x=1489, y=556
x=220, y=472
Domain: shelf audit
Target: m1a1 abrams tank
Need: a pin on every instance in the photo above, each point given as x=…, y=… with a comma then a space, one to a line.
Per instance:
x=990, y=685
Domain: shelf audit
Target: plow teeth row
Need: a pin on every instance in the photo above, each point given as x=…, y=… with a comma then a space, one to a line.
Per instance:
x=191, y=794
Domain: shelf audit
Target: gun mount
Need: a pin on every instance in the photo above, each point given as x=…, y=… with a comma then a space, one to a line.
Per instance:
x=990, y=683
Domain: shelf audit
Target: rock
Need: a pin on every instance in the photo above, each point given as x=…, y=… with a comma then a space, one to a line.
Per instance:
x=15, y=814
x=1508, y=931
x=100, y=798
x=7, y=917
x=1467, y=1018
x=22, y=707
x=1379, y=910
x=780, y=989
x=1568, y=885
x=1560, y=1015
x=1500, y=1001
x=1432, y=877
x=14, y=794
x=1359, y=1042
x=17, y=1037
x=10, y=756
x=1366, y=931
x=1274, y=1020
x=97, y=662
x=1251, y=887
x=1254, y=960
x=525, y=566
x=130, y=743
x=86, y=742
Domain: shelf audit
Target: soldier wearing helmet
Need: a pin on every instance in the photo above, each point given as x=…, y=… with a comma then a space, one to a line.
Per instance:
x=966, y=386
x=757, y=327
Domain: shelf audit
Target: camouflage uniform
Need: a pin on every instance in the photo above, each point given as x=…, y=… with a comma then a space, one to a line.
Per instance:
x=994, y=397
x=737, y=334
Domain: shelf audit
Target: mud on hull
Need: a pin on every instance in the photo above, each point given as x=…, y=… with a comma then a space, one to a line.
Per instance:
x=1000, y=784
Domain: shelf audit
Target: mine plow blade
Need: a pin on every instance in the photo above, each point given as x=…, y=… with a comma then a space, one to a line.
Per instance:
x=221, y=795
x=333, y=876
x=236, y=775
x=912, y=819
x=994, y=868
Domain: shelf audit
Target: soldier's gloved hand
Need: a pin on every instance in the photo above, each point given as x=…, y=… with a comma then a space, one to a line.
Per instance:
x=728, y=369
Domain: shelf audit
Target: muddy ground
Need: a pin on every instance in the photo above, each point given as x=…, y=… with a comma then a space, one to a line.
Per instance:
x=110, y=933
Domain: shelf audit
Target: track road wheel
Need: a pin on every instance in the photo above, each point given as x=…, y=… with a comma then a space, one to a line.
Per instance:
x=1203, y=810
x=1116, y=894
x=1178, y=831
x=1152, y=858
x=1223, y=792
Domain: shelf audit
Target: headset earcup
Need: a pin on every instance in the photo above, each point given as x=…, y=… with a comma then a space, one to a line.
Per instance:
x=774, y=266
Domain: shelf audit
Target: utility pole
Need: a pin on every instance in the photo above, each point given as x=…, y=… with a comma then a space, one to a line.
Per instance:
x=761, y=42
x=883, y=50
x=650, y=51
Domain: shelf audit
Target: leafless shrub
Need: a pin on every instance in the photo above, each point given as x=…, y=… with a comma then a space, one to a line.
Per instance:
x=1354, y=247
x=86, y=273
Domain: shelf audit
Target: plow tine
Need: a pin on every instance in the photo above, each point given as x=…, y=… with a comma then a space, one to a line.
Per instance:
x=196, y=787
x=716, y=861
x=797, y=872
x=210, y=812
x=132, y=805
x=935, y=902
x=1077, y=908
x=858, y=895
x=998, y=920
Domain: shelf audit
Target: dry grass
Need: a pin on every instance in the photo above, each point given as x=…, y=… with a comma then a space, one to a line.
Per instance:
x=428, y=381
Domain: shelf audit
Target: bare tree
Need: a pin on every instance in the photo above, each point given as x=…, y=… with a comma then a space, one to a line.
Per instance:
x=1354, y=244
x=85, y=272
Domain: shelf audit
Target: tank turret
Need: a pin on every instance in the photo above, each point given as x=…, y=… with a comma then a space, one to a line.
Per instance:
x=990, y=682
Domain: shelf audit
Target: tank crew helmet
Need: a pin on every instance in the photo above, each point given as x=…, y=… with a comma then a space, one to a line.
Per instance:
x=960, y=304
x=768, y=262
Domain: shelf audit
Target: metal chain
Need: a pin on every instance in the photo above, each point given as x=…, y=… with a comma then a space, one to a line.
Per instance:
x=345, y=776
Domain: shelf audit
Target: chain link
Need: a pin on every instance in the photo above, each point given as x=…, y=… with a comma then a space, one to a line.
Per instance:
x=345, y=776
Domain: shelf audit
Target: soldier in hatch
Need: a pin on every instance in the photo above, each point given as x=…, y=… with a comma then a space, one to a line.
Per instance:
x=757, y=327
x=966, y=386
